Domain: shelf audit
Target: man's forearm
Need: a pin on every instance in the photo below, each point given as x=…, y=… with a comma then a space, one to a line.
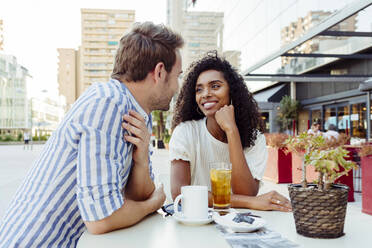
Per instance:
x=139, y=186
x=129, y=214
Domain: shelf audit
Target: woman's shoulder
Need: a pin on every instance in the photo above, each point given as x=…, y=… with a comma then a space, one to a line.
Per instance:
x=186, y=133
x=260, y=137
x=189, y=126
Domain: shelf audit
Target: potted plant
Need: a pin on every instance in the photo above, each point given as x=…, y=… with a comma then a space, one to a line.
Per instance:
x=279, y=163
x=319, y=209
x=297, y=145
x=365, y=154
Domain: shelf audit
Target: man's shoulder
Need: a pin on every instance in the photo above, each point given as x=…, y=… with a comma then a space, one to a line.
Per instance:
x=107, y=90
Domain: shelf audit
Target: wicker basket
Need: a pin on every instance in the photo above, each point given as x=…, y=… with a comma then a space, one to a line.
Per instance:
x=319, y=214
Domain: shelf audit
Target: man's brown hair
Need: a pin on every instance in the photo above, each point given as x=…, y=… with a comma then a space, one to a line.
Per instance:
x=142, y=48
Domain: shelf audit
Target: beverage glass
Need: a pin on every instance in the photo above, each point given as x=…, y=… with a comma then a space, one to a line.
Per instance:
x=220, y=174
x=194, y=202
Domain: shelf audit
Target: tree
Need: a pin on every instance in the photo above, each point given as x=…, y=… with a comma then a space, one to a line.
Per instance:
x=288, y=111
x=159, y=117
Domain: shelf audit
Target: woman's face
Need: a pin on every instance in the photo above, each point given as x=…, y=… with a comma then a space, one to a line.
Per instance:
x=212, y=92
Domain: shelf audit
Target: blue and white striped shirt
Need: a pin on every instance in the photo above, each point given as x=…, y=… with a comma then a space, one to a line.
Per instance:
x=79, y=175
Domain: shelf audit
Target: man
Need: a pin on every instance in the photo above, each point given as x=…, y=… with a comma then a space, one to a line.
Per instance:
x=315, y=128
x=26, y=138
x=331, y=133
x=95, y=172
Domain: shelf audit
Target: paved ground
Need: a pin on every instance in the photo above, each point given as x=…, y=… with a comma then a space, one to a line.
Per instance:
x=15, y=162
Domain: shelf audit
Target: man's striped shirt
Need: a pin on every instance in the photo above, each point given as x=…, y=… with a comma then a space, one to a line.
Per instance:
x=79, y=175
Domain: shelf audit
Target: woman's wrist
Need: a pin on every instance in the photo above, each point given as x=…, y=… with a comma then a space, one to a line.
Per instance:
x=233, y=131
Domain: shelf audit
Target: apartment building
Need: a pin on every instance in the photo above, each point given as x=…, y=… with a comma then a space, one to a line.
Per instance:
x=101, y=32
x=201, y=30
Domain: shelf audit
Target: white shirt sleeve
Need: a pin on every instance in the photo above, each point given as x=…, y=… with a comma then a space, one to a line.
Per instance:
x=256, y=157
x=180, y=143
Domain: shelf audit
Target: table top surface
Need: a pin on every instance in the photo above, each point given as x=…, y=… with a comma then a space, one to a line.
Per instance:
x=158, y=231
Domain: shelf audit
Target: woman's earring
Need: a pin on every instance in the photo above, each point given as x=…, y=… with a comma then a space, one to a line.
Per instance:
x=197, y=110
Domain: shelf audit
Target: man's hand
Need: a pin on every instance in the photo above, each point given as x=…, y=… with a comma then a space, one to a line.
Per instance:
x=137, y=134
x=158, y=197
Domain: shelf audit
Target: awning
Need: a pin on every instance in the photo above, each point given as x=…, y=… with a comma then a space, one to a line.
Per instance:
x=274, y=94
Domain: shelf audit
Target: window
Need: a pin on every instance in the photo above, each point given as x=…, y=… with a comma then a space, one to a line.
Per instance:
x=124, y=15
x=194, y=44
x=358, y=120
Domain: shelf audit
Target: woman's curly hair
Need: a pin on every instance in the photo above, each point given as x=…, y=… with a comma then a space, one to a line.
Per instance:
x=247, y=115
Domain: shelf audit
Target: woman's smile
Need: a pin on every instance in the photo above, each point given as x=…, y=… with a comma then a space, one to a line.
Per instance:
x=209, y=105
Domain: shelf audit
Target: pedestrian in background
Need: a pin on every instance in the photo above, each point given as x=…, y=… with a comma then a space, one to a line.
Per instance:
x=26, y=139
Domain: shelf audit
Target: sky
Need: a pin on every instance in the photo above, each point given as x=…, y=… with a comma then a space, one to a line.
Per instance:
x=34, y=29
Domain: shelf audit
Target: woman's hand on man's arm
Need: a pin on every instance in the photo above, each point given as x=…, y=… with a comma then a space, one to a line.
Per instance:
x=139, y=186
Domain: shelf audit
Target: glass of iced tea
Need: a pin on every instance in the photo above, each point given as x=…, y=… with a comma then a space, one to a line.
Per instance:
x=220, y=174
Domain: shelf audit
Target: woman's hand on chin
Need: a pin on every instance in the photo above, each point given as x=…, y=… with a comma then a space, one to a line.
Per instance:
x=225, y=118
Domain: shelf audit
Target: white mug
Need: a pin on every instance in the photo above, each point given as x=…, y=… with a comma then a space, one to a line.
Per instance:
x=194, y=202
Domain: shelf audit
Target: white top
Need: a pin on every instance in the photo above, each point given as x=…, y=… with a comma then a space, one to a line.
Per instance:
x=331, y=133
x=26, y=136
x=311, y=131
x=191, y=141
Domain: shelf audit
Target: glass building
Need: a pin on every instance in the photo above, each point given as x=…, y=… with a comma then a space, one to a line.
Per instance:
x=14, y=111
x=318, y=52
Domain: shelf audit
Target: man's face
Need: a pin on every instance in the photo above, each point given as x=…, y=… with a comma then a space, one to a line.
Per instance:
x=169, y=87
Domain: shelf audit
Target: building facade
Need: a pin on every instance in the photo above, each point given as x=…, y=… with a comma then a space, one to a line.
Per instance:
x=303, y=24
x=324, y=55
x=14, y=109
x=318, y=52
x=1, y=35
x=68, y=74
x=233, y=57
x=101, y=32
x=46, y=115
x=201, y=30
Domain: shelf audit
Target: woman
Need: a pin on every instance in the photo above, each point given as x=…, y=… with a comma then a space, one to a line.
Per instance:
x=217, y=120
x=315, y=128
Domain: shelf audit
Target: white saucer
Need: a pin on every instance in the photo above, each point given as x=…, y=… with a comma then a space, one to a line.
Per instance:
x=192, y=222
x=227, y=222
